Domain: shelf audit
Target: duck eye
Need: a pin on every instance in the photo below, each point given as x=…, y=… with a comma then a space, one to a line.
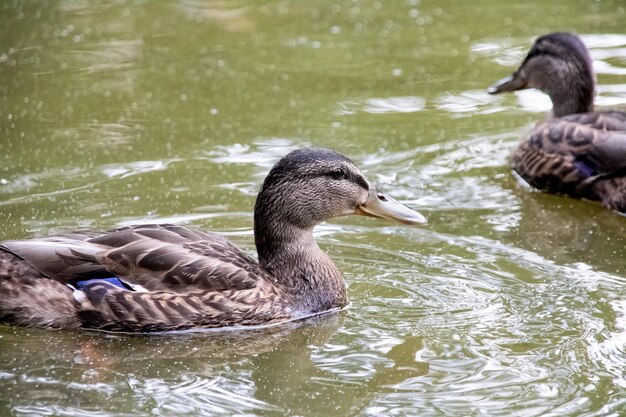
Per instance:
x=337, y=173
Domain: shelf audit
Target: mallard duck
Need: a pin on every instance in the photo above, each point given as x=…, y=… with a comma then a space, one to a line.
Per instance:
x=578, y=151
x=166, y=277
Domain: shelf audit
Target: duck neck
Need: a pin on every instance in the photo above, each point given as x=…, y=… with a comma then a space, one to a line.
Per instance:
x=572, y=92
x=291, y=255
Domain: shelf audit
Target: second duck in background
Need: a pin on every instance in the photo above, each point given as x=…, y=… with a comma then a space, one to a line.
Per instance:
x=578, y=151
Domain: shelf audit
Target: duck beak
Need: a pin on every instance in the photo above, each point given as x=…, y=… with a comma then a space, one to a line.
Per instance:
x=382, y=206
x=511, y=83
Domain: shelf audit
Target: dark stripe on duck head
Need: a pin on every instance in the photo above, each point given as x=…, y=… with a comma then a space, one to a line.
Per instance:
x=340, y=173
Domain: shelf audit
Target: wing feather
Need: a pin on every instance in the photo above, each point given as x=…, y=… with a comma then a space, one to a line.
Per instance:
x=157, y=257
x=597, y=152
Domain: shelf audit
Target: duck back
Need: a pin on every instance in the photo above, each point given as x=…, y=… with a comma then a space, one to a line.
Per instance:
x=581, y=155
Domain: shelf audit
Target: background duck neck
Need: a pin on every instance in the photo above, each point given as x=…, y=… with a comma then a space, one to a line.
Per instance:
x=562, y=106
x=573, y=93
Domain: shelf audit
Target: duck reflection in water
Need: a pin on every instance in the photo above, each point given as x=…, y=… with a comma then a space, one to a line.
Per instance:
x=205, y=372
x=569, y=231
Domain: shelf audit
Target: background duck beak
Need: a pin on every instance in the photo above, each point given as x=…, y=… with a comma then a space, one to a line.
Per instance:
x=382, y=206
x=510, y=83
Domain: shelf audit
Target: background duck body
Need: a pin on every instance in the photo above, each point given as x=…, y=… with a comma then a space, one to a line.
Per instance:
x=166, y=277
x=579, y=152
x=574, y=159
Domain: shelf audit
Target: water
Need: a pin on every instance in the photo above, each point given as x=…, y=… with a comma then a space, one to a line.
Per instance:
x=510, y=302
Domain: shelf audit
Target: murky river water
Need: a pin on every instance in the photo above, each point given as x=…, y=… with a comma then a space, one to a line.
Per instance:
x=510, y=302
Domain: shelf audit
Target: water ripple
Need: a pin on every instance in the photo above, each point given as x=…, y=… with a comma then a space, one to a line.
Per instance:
x=468, y=103
x=108, y=56
x=376, y=105
x=265, y=153
x=495, y=330
x=196, y=394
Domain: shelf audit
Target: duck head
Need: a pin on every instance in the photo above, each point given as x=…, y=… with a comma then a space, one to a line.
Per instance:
x=558, y=64
x=305, y=188
x=309, y=186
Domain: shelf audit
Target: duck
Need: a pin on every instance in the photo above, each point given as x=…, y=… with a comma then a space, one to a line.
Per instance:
x=576, y=151
x=166, y=277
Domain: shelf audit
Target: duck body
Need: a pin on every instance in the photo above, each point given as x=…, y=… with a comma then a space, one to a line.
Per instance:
x=577, y=151
x=571, y=158
x=172, y=278
x=166, y=277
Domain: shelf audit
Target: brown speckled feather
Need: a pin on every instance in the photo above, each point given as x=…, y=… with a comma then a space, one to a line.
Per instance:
x=192, y=278
x=28, y=298
x=166, y=257
x=107, y=307
x=570, y=156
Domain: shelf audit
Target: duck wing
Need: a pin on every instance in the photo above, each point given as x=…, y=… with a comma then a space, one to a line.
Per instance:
x=175, y=278
x=568, y=157
x=170, y=257
x=155, y=257
x=53, y=257
x=590, y=151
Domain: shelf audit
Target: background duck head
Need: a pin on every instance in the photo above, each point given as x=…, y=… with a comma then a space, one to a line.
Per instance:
x=558, y=64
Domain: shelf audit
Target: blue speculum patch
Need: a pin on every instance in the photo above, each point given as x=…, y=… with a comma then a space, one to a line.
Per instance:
x=586, y=168
x=112, y=280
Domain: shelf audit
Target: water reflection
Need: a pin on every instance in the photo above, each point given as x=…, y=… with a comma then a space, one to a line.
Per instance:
x=263, y=154
x=583, y=232
x=194, y=372
x=221, y=373
x=332, y=395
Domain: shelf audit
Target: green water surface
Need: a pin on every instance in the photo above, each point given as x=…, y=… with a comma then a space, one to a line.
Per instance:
x=510, y=302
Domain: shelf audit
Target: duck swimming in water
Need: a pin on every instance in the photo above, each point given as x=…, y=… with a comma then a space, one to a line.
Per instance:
x=166, y=277
x=578, y=151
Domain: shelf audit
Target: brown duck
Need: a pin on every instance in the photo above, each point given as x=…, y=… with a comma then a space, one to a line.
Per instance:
x=167, y=277
x=578, y=151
